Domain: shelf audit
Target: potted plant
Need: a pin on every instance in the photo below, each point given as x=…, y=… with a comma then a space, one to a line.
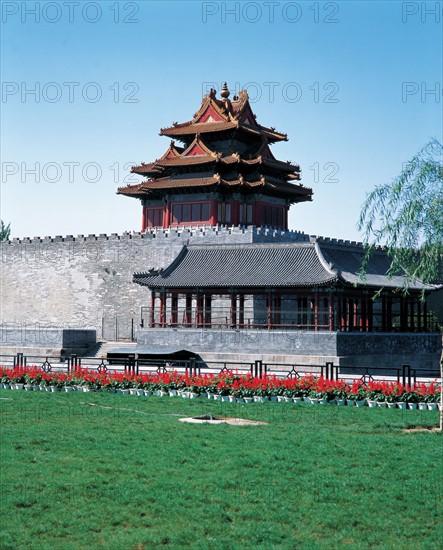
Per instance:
x=411, y=399
x=380, y=399
x=340, y=396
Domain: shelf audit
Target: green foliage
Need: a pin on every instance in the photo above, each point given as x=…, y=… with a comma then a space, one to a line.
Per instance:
x=5, y=231
x=406, y=216
x=128, y=474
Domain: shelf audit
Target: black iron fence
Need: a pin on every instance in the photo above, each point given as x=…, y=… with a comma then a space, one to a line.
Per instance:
x=132, y=364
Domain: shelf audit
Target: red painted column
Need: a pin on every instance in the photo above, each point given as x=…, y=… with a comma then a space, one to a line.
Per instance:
x=162, y=309
x=370, y=315
x=344, y=315
x=144, y=219
x=199, y=310
x=241, y=320
x=425, y=316
x=331, y=311
x=361, y=320
x=208, y=312
x=419, y=315
x=339, y=312
x=235, y=213
x=277, y=310
x=233, y=310
x=214, y=213
x=256, y=219
x=365, y=314
x=269, y=310
x=188, y=310
x=166, y=215
x=174, y=310
x=152, y=310
x=316, y=311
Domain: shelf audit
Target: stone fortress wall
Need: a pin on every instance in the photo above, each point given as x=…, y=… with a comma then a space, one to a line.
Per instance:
x=86, y=281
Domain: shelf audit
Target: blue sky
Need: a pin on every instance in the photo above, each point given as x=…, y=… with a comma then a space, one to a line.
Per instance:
x=357, y=86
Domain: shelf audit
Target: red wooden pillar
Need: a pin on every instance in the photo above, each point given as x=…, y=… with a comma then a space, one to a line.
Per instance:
x=362, y=320
x=425, y=316
x=233, y=322
x=316, y=311
x=286, y=223
x=365, y=314
x=269, y=310
x=419, y=315
x=412, y=314
x=241, y=315
x=174, y=310
x=331, y=311
x=188, y=310
x=208, y=308
x=199, y=310
x=256, y=219
x=370, y=315
x=152, y=310
x=235, y=213
x=277, y=310
x=341, y=312
x=166, y=215
x=144, y=220
x=162, y=309
x=214, y=213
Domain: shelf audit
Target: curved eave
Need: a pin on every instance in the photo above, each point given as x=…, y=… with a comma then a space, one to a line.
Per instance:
x=151, y=282
x=135, y=191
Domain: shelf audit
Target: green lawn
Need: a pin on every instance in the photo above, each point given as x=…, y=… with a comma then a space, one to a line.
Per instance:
x=128, y=474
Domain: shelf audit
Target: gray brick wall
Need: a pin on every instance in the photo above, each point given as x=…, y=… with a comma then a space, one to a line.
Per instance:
x=86, y=281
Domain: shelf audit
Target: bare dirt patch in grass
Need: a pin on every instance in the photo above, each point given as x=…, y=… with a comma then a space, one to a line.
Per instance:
x=210, y=419
x=421, y=429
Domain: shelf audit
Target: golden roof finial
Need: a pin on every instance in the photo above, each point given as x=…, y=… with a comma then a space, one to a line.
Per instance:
x=225, y=93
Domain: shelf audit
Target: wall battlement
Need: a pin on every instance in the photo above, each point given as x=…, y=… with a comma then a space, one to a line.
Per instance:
x=253, y=232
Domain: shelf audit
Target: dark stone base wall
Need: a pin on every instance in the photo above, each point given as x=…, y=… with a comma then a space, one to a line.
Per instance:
x=40, y=340
x=388, y=350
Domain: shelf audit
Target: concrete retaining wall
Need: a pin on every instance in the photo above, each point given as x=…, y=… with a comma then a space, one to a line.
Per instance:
x=421, y=351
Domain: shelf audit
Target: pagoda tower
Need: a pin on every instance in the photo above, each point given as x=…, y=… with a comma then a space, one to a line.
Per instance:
x=223, y=172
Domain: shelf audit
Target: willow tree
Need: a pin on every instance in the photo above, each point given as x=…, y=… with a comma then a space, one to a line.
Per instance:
x=406, y=216
x=5, y=231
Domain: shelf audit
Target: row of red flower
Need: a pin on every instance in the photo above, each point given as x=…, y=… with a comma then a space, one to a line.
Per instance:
x=227, y=383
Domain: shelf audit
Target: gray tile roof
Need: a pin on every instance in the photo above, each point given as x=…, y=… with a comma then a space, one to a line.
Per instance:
x=315, y=263
x=346, y=258
x=246, y=265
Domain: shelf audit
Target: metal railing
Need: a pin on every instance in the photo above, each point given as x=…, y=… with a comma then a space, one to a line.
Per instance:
x=193, y=366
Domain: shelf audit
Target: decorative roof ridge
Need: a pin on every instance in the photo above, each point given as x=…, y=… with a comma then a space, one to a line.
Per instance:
x=171, y=149
x=235, y=246
x=151, y=166
x=210, y=100
x=198, y=141
x=129, y=186
x=329, y=266
x=265, y=144
x=165, y=272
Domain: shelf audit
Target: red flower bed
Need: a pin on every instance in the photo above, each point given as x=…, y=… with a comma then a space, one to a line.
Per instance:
x=226, y=383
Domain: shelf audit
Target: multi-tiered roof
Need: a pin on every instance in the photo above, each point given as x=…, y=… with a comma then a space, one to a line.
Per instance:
x=223, y=149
